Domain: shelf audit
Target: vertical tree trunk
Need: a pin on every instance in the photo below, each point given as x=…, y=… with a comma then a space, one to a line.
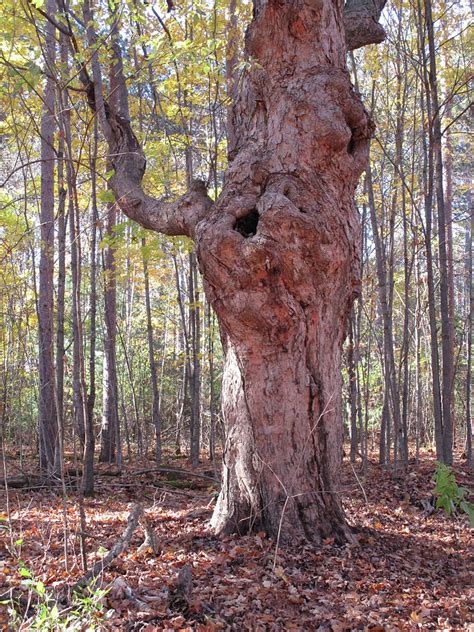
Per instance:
x=448, y=204
x=78, y=377
x=195, y=361
x=231, y=73
x=446, y=326
x=384, y=279
x=417, y=328
x=212, y=386
x=48, y=428
x=88, y=477
x=399, y=150
x=110, y=422
x=111, y=448
x=470, y=316
x=61, y=284
x=187, y=391
x=280, y=258
x=155, y=410
x=428, y=184
x=352, y=389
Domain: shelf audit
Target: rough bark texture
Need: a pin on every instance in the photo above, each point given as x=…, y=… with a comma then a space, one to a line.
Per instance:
x=361, y=22
x=279, y=252
x=279, y=255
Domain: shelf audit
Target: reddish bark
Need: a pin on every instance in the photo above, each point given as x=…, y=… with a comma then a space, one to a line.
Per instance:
x=279, y=255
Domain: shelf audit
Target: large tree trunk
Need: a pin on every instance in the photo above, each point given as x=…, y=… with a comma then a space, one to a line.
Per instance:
x=280, y=258
x=279, y=252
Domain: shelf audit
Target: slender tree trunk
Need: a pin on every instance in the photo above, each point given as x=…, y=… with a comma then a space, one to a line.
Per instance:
x=111, y=448
x=470, y=317
x=231, y=73
x=428, y=187
x=187, y=391
x=195, y=363
x=78, y=380
x=212, y=386
x=405, y=348
x=446, y=325
x=88, y=477
x=352, y=389
x=448, y=204
x=418, y=398
x=110, y=422
x=61, y=283
x=48, y=427
x=384, y=279
x=155, y=414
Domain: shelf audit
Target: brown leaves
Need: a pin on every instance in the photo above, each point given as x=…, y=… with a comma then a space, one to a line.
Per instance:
x=409, y=571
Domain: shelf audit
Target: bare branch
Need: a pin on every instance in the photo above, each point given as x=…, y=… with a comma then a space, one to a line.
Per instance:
x=171, y=218
x=117, y=549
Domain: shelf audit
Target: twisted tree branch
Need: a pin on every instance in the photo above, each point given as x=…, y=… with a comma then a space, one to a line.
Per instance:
x=128, y=160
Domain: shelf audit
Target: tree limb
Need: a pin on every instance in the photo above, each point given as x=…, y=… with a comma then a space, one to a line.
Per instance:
x=119, y=547
x=171, y=218
x=128, y=160
x=361, y=22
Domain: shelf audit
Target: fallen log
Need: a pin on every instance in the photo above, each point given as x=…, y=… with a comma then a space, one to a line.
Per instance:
x=24, y=480
x=172, y=470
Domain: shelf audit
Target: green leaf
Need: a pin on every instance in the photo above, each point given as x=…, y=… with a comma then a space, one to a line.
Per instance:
x=106, y=196
x=40, y=588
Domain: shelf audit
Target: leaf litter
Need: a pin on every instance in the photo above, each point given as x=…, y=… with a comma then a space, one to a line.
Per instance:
x=409, y=570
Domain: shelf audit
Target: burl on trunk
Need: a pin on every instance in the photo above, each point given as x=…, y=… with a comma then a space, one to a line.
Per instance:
x=279, y=253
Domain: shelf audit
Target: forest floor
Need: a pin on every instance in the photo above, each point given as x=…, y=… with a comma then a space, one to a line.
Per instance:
x=408, y=571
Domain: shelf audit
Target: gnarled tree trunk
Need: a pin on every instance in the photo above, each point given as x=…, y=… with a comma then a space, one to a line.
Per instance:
x=280, y=257
x=279, y=253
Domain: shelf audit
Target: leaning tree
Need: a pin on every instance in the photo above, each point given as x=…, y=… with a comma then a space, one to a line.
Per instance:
x=279, y=254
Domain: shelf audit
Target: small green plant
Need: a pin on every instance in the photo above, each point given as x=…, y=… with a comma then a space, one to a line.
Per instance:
x=84, y=613
x=449, y=496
